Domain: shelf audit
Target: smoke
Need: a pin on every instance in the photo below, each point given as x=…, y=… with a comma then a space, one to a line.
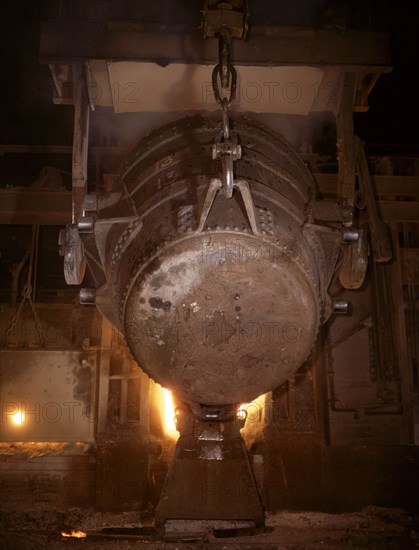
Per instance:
x=125, y=129
x=314, y=133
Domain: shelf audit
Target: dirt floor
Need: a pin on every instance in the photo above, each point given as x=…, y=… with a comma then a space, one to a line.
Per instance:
x=372, y=528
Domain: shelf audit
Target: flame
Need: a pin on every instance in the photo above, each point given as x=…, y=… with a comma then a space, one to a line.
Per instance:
x=251, y=412
x=74, y=534
x=18, y=418
x=167, y=411
x=242, y=412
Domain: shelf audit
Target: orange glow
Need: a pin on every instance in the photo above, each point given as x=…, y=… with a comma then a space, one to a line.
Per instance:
x=18, y=418
x=241, y=411
x=167, y=411
x=251, y=412
x=74, y=534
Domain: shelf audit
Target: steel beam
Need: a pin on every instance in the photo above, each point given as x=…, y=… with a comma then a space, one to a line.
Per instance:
x=398, y=318
x=399, y=211
x=59, y=150
x=380, y=242
x=346, y=147
x=80, y=141
x=390, y=186
x=272, y=46
x=23, y=206
x=103, y=382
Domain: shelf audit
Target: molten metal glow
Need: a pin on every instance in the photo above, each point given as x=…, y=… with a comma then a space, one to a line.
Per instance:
x=74, y=534
x=252, y=412
x=18, y=418
x=241, y=411
x=169, y=415
x=167, y=411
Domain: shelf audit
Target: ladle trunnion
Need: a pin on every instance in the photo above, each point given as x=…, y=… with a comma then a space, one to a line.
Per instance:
x=219, y=298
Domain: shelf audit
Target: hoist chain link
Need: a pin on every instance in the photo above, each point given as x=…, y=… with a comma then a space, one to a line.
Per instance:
x=225, y=148
x=233, y=85
x=224, y=57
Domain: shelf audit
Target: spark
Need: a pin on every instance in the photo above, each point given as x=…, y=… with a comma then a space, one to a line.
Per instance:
x=74, y=534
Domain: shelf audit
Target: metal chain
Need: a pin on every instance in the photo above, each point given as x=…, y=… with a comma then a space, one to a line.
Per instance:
x=225, y=148
x=223, y=70
x=27, y=293
x=224, y=57
x=224, y=102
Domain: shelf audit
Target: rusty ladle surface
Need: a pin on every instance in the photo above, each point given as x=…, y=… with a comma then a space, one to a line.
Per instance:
x=219, y=299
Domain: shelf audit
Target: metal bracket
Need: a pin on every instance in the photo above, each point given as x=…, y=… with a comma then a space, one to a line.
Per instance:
x=232, y=15
x=227, y=152
x=243, y=186
x=354, y=268
x=87, y=296
x=71, y=245
x=86, y=224
x=73, y=251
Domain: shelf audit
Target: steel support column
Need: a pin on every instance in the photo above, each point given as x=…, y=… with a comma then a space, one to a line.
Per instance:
x=80, y=141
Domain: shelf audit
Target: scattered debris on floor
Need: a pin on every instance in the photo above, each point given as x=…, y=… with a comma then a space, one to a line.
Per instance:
x=372, y=528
